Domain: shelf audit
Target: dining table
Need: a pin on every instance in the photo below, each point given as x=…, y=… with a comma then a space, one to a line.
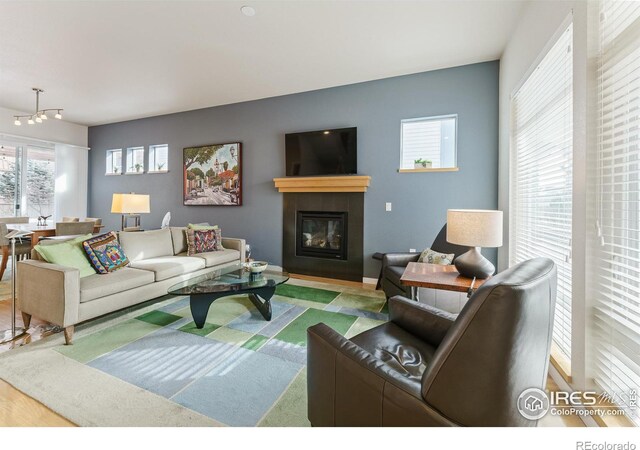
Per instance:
x=40, y=231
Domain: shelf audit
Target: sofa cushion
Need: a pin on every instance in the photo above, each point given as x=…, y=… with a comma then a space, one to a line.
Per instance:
x=432, y=257
x=399, y=349
x=201, y=241
x=179, y=238
x=68, y=253
x=101, y=285
x=206, y=227
x=105, y=253
x=218, y=257
x=165, y=267
x=140, y=245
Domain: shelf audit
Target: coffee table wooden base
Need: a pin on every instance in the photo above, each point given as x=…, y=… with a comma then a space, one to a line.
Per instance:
x=200, y=303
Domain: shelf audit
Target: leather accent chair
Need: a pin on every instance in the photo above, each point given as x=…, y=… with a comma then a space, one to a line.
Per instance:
x=426, y=367
x=393, y=264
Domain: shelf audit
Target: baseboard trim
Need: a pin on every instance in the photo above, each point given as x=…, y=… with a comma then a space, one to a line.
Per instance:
x=367, y=280
x=348, y=283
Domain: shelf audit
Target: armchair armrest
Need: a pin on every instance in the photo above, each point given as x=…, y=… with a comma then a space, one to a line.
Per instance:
x=48, y=291
x=346, y=384
x=399, y=259
x=235, y=244
x=428, y=323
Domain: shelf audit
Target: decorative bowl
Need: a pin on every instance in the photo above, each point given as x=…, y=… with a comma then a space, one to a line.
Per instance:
x=257, y=266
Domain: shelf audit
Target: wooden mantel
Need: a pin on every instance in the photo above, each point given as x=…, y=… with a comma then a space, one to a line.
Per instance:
x=347, y=183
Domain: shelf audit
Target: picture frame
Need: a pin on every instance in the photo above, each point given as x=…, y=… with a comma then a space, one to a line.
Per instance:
x=212, y=175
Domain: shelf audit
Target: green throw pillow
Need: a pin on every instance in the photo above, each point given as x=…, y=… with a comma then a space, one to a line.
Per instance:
x=68, y=253
x=201, y=226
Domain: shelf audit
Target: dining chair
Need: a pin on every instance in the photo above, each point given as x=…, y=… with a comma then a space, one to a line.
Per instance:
x=97, y=223
x=13, y=219
x=74, y=228
x=22, y=219
x=70, y=219
x=23, y=248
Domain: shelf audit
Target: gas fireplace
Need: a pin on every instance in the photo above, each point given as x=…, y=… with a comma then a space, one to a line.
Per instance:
x=321, y=234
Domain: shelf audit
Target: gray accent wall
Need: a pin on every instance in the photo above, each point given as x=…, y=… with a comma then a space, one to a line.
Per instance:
x=419, y=200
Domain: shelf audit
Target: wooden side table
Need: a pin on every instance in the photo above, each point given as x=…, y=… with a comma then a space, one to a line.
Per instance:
x=436, y=276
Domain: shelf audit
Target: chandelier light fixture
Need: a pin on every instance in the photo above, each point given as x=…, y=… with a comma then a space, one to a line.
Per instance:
x=40, y=114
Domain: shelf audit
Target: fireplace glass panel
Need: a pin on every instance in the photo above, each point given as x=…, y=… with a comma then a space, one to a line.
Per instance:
x=322, y=235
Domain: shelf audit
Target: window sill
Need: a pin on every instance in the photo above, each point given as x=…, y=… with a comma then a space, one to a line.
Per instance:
x=440, y=169
x=608, y=421
x=112, y=174
x=158, y=171
x=134, y=173
x=561, y=362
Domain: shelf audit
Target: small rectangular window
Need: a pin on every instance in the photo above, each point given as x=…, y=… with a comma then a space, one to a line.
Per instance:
x=428, y=143
x=135, y=160
x=114, y=162
x=158, y=158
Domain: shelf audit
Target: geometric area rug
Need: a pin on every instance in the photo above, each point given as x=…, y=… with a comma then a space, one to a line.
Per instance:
x=151, y=366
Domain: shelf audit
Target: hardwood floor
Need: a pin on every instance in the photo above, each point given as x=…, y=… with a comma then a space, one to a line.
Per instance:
x=19, y=410
x=371, y=287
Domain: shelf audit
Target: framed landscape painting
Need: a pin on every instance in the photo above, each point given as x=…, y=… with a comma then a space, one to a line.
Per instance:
x=213, y=175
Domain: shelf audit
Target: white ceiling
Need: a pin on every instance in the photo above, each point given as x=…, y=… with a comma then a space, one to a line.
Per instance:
x=111, y=61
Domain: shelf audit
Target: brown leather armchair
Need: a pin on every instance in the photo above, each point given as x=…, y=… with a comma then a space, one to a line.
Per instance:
x=393, y=264
x=426, y=367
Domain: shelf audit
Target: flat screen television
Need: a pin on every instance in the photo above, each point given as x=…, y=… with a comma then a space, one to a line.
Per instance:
x=323, y=152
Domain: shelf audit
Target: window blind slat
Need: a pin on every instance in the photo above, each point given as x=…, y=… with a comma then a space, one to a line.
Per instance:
x=541, y=174
x=616, y=260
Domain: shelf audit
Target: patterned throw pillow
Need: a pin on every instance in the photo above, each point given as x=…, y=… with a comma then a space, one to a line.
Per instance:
x=105, y=253
x=433, y=257
x=216, y=228
x=201, y=241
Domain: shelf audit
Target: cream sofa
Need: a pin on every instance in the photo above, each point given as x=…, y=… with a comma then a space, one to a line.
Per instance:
x=158, y=258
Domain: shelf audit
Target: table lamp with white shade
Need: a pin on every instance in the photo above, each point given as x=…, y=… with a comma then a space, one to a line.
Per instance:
x=474, y=228
x=130, y=206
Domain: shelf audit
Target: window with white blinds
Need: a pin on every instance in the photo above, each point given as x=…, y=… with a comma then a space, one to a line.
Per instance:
x=541, y=175
x=616, y=264
x=428, y=142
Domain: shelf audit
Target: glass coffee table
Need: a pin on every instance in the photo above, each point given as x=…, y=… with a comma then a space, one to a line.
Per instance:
x=231, y=280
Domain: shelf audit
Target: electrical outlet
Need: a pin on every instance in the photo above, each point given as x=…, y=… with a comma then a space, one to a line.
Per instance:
x=387, y=206
x=412, y=250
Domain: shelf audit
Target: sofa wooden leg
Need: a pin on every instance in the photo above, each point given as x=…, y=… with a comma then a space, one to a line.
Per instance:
x=26, y=320
x=68, y=334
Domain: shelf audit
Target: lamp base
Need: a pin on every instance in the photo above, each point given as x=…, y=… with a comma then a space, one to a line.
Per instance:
x=11, y=335
x=473, y=265
x=125, y=222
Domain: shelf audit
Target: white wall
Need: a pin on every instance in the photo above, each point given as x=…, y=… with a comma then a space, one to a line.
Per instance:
x=72, y=167
x=72, y=160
